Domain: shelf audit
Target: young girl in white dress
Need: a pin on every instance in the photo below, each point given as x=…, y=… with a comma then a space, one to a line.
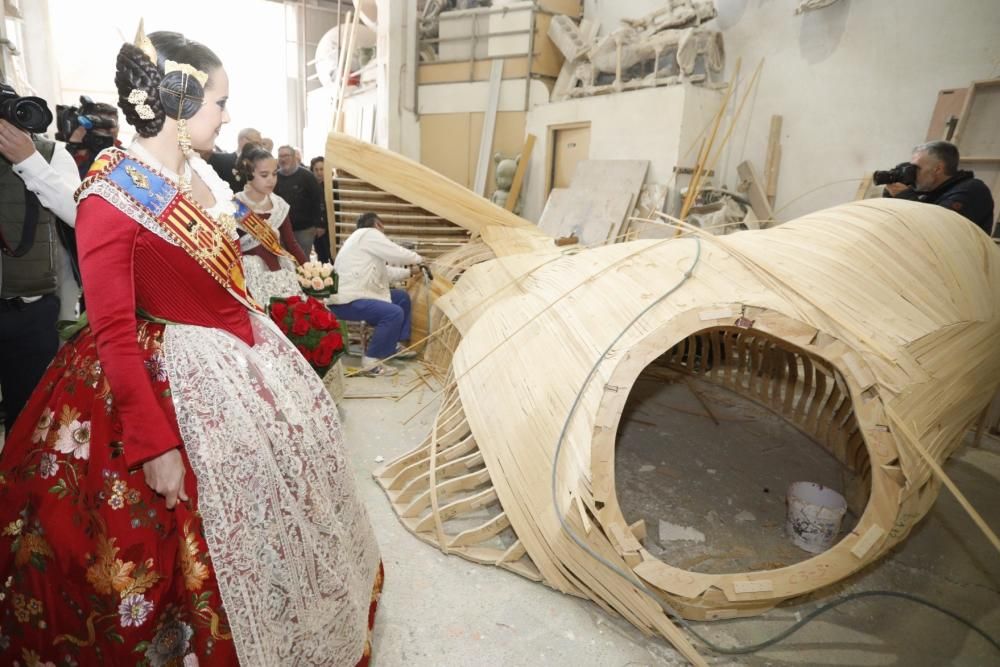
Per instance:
x=268, y=275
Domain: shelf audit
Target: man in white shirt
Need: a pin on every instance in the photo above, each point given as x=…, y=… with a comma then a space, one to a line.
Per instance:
x=33, y=189
x=366, y=265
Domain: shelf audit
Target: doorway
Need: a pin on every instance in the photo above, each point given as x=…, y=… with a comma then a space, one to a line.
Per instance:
x=569, y=144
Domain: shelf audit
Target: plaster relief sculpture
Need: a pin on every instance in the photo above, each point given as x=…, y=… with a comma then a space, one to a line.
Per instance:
x=662, y=48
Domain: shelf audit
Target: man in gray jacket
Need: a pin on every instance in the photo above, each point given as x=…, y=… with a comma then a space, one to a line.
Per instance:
x=37, y=180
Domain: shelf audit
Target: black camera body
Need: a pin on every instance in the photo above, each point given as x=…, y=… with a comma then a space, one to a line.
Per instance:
x=904, y=172
x=69, y=118
x=31, y=114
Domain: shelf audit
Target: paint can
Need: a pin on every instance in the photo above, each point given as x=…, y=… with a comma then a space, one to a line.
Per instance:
x=814, y=513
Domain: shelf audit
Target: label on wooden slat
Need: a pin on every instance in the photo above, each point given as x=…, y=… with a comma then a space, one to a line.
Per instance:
x=672, y=580
x=758, y=586
x=867, y=541
x=717, y=314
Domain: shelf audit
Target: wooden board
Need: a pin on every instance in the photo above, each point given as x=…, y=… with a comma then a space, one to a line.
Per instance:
x=546, y=60
x=756, y=192
x=449, y=143
x=612, y=177
x=592, y=216
x=978, y=136
x=978, y=132
x=572, y=8
x=570, y=145
x=944, y=118
x=446, y=145
x=522, y=166
x=772, y=162
x=472, y=70
x=628, y=175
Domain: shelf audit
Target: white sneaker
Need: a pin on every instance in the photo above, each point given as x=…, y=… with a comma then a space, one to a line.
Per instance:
x=376, y=368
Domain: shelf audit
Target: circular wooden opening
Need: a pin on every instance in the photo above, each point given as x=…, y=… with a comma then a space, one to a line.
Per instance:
x=713, y=434
x=678, y=448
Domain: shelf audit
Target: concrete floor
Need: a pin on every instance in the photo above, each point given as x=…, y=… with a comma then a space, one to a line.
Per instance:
x=676, y=464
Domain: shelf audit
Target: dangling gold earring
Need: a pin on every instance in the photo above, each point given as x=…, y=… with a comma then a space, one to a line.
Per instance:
x=184, y=141
x=184, y=137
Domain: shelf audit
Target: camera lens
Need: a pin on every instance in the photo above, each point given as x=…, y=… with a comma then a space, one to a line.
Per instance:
x=882, y=177
x=32, y=114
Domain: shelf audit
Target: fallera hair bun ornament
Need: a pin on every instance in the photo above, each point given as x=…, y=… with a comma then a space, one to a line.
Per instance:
x=144, y=44
x=171, y=66
x=137, y=98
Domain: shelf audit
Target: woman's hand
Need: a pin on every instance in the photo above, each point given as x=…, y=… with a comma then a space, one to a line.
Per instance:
x=165, y=475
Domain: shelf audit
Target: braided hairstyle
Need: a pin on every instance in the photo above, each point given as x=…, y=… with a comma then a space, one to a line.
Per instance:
x=164, y=92
x=248, y=159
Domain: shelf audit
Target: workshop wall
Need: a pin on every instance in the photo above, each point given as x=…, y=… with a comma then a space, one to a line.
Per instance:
x=855, y=82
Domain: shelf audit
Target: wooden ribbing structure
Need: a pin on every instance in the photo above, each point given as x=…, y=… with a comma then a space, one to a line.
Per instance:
x=422, y=197
x=429, y=234
x=435, y=214
x=871, y=327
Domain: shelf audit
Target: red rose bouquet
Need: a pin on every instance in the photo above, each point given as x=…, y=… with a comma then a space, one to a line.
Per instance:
x=311, y=327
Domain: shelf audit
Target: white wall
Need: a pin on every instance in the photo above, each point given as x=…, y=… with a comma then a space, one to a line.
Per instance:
x=473, y=96
x=856, y=82
x=42, y=70
x=398, y=128
x=86, y=41
x=655, y=124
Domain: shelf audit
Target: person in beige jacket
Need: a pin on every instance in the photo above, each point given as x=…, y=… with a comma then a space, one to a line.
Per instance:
x=367, y=264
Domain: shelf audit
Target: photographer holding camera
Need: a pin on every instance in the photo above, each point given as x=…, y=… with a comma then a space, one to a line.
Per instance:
x=932, y=176
x=37, y=180
x=87, y=130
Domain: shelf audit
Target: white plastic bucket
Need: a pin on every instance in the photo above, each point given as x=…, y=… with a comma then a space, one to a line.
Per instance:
x=814, y=515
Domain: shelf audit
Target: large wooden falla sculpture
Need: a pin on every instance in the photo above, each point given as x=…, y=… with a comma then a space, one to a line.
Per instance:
x=871, y=327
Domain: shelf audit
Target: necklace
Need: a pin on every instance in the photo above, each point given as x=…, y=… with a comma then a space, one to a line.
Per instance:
x=265, y=205
x=222, y=211
x=183, y=180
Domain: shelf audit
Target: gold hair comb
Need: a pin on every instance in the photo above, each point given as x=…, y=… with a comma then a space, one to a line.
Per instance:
x=144, y=44
x=170, y=66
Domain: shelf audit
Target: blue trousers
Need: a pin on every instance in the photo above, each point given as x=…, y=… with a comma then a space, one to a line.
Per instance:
x=391, y=321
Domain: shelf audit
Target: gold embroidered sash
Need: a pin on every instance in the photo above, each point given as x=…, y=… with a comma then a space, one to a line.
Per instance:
x=157, y=204
x=261, y=230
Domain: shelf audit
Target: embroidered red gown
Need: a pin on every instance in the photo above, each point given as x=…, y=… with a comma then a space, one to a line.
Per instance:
x=94, y=570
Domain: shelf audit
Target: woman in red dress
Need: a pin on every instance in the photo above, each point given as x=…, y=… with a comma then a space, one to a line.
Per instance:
x=176, y=491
